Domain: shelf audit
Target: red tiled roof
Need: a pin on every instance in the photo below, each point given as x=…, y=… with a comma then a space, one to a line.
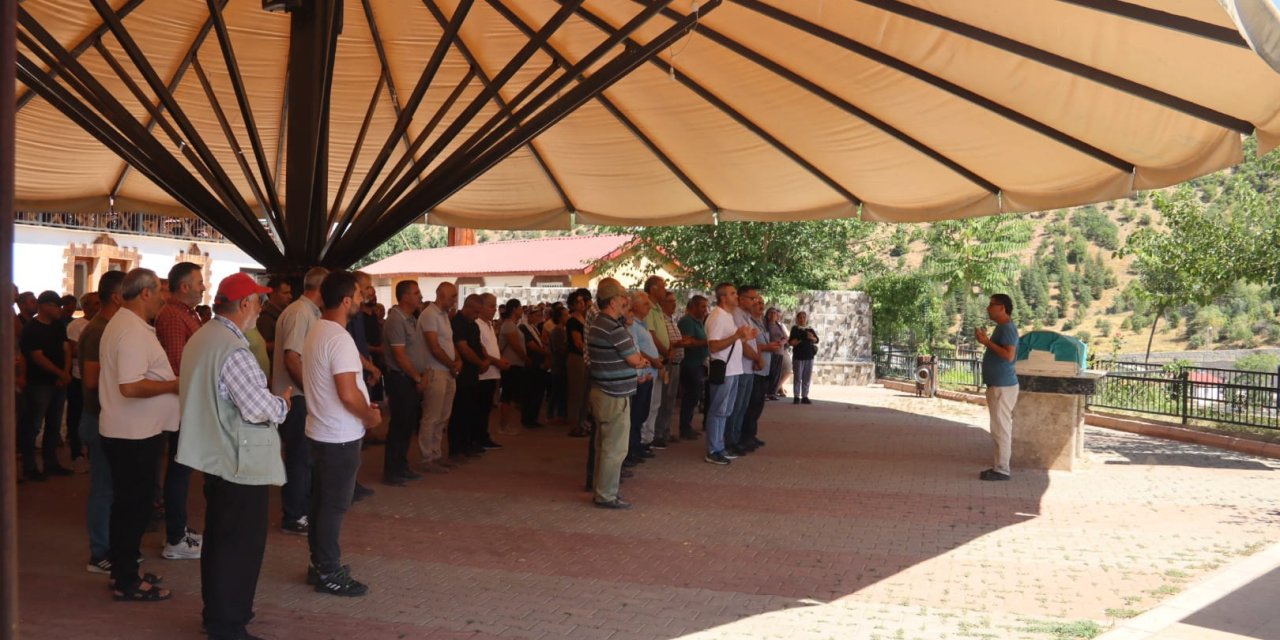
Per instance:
x=1202, y=376
x=565, y=255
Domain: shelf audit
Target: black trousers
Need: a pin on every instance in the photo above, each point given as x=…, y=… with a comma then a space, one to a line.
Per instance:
x=464, y=400
x=480, y=410
x=406, y=409
x=534, y=389
x=133, y=477
x=755, y=407
x=639, y=413
x=235, y=538
x=295, y=495
x=693, y=383
x=332, y=485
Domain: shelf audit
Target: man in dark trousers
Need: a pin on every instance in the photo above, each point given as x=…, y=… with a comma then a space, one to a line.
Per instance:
x=229, y=431
x=44, y=345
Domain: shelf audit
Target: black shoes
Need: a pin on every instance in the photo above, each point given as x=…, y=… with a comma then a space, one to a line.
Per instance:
x=297, y=527
x=361, y=493
x=658, y=443
x=805, y=401
x=716, y=458
x=616, y=503
x=795, y=401
x=340, y=583
x=993, y=475
x=490, y=445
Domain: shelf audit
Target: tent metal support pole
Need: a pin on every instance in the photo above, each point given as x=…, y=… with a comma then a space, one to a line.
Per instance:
x=616, y=112
x=457, y=172
x=381, y=50
x=1064, y=64
x=1156, y=17
x=504, y=106
x=741, y=119
x=90, y=40
x=178, y=75
x=355, y=155
x=407, y=159
x=879, y=57
x=271, y=206
x=8, y=420
x=411, y=107
x=373, y=214
x=313, y=40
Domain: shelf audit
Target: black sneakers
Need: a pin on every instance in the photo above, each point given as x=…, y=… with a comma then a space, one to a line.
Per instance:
x=297, y=527
x=716, y=458
x=616, y=503
x=993, y=475
x=339, y=583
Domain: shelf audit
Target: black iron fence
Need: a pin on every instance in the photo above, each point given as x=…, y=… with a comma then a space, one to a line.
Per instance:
x=149, y=224
x=1224, y=396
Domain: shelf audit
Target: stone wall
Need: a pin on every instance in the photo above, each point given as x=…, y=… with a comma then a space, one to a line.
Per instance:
x=842, y=320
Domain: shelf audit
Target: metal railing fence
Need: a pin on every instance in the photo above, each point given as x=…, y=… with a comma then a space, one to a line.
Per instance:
x=1223, y=396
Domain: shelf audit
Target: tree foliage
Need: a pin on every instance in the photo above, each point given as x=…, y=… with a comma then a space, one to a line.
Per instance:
x=414, y=236
x=907, y=310
x=783, y=258
x=979, y=253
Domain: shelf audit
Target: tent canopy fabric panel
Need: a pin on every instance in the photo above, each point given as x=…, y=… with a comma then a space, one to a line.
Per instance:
x=892, y=110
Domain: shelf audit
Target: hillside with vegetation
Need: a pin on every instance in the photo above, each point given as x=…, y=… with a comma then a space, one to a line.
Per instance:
x=1200, y=263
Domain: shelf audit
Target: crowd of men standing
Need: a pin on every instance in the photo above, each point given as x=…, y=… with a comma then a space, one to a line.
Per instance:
x=274, y=390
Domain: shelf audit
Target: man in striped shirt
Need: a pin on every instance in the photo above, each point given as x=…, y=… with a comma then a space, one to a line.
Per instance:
x=614, y=360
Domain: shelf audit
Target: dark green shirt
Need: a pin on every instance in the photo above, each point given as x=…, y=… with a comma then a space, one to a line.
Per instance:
x=691, y=327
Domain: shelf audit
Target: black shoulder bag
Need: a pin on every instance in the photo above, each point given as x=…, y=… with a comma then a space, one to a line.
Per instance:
x=716, y=374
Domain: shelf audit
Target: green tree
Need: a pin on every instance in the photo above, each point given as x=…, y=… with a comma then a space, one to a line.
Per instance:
x=783, y=258
x=907, y=308
x=976, y=253
x=414, y=236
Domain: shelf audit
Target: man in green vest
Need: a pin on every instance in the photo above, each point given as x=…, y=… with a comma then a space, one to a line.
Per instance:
x=229, y=420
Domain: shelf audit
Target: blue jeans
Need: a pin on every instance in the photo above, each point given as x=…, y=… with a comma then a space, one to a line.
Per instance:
x=177, y=483
x=98, y=513
x=733, y=429
x=722, y=396
x=802, y=371
x=45, y=402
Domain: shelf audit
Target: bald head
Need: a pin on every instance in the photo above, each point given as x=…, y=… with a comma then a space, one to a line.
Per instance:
x=446, y=295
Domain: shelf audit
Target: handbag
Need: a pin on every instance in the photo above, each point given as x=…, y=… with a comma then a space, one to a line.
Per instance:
x=716, y=374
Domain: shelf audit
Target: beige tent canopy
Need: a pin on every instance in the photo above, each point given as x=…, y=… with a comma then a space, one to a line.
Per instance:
x=540, y=113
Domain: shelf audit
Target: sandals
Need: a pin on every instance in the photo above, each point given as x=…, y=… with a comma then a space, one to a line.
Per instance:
x=149, y=578
x=138, y=594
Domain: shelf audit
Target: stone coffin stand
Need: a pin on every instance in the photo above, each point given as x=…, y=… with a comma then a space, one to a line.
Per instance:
x=1048, y=421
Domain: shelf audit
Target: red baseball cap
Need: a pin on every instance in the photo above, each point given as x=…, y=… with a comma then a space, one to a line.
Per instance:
x=238, y=286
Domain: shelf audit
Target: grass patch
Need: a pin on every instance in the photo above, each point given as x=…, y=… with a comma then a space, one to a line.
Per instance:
x=1122, y=613
x=1176, y=574
x=1164, y=590
x=1074, y=630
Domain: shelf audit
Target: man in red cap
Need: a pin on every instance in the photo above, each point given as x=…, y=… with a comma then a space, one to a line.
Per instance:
x=229, y=421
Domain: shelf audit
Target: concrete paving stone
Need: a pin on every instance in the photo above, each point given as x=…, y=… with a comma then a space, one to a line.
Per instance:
x=861, y=518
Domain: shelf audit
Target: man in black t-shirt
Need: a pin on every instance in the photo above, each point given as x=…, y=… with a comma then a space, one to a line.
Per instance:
x=44, y=345
x=466, y=340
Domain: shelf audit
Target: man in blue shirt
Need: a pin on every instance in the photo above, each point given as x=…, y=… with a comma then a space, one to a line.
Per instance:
x=1001, y=381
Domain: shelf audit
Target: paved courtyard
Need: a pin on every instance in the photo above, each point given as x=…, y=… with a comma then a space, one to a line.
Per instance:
x=862, y=518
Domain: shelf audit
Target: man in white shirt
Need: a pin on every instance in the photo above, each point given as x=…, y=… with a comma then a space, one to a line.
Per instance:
x=724, y=340
x=138, y=392
x=337, y=419
x=443, y=366
x=286, y=372
x=489, y=376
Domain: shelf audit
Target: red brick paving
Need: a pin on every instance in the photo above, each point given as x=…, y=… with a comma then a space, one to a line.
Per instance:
x=862, y=518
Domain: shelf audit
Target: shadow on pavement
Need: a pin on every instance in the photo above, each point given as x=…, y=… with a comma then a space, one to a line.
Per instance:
x=842, y=497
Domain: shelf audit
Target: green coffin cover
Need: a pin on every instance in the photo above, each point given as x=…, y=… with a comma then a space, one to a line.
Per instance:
x=1063, y=348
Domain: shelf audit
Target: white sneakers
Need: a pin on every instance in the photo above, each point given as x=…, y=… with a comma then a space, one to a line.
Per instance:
x=188, y=548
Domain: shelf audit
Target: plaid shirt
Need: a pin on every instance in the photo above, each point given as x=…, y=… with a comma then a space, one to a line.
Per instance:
x=175, y=324
x=245, y=385
x=676, y=355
